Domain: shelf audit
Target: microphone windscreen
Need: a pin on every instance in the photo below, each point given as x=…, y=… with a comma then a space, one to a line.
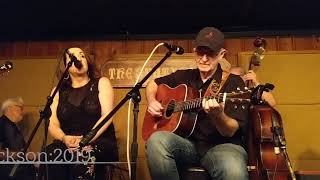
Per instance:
x=77, y=64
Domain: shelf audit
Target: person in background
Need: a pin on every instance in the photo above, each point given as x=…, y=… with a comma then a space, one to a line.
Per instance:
x=251, y=76
x=12, y=140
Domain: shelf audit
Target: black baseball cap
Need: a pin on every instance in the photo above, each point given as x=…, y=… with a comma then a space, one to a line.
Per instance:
x=210, y=37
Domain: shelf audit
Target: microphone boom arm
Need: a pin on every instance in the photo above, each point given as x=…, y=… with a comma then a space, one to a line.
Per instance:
x=88, y=137
x=135, y=95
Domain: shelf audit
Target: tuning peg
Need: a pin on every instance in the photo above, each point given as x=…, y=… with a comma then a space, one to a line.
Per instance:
x=238, y=88
x=243, y=107
x=246, y=88
x=235, y=106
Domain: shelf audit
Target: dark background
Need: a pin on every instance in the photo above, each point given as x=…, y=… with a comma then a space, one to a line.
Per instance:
x=79, y=19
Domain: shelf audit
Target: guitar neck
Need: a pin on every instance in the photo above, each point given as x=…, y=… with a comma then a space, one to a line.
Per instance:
x=197, y=103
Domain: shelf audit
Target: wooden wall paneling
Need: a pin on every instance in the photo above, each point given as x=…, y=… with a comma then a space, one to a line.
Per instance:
x=191, y=44
x=37, y=48
x=84, y=45
x=316, y=42
x=102, y=52
x=303, y=43
x=248, y=44
x=147, y=46
x=233, y=46
x=271, y=44
x=118, y=47
x=6, y=50
x=54, y=48
x=87, y=46
x=20, y=49
x=285, y=43
x=134, y=47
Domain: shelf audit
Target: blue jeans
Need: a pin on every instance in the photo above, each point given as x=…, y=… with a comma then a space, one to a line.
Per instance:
x=167, y=151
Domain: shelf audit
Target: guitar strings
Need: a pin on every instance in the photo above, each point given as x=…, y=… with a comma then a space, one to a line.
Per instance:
x=195, y=103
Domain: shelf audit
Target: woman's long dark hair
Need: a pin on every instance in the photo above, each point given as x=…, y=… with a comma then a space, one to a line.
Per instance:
x=92, y=71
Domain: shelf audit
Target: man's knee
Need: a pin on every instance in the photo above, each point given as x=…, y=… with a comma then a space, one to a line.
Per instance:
x=227, y=161
x=229, y=170
x=159, y=141
x=238, y=172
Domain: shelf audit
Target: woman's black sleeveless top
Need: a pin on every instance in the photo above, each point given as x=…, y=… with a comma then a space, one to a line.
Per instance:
x=79, y=109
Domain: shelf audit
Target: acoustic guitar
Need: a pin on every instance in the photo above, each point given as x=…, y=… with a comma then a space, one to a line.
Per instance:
x=181, y=106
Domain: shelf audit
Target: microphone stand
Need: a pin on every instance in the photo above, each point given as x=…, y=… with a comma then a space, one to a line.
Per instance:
x=281, y=143
x=135, y=95
x=44, y=115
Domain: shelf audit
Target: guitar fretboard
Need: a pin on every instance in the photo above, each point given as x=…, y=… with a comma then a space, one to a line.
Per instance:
x=197, y=103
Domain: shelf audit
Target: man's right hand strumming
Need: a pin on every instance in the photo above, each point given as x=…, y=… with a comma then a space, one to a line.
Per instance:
x=155, y=108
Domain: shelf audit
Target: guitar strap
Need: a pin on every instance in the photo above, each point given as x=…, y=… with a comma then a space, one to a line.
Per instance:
x=214, y=87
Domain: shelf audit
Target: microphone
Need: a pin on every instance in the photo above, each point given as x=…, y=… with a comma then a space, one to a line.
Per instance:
x=6, y=66
x=177, y=49
x=76, y=62
x=277, y=135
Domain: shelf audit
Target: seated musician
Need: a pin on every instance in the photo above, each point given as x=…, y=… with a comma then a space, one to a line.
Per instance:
x=217, y=140
x=251, y=76
x=12, y=141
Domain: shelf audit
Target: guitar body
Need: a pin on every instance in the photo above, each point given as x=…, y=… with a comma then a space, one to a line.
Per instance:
x=181, y=122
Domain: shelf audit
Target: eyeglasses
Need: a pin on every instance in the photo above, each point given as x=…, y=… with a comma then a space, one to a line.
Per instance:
x=201, y=51
x=19, y=106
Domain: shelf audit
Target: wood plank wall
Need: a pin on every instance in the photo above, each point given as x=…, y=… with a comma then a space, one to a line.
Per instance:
x=102, y=50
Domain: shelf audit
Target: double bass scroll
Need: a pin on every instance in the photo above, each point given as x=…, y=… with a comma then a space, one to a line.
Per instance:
x=257, y=55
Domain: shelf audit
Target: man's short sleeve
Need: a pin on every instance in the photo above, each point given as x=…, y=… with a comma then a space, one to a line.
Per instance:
x=174, y=79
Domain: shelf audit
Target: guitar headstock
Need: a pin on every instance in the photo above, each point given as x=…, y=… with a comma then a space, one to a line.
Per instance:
x=238, y=96
x=5, y=68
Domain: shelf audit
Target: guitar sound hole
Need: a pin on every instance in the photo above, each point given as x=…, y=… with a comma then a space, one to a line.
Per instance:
x=170, y=109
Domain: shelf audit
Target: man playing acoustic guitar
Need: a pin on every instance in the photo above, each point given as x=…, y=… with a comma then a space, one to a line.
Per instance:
x=216, y=138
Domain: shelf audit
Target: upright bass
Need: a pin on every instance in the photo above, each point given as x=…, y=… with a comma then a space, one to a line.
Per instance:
x=268, y=159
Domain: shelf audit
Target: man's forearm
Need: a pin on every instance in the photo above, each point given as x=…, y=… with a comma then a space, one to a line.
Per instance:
x=151, y=91
x=226, y=125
